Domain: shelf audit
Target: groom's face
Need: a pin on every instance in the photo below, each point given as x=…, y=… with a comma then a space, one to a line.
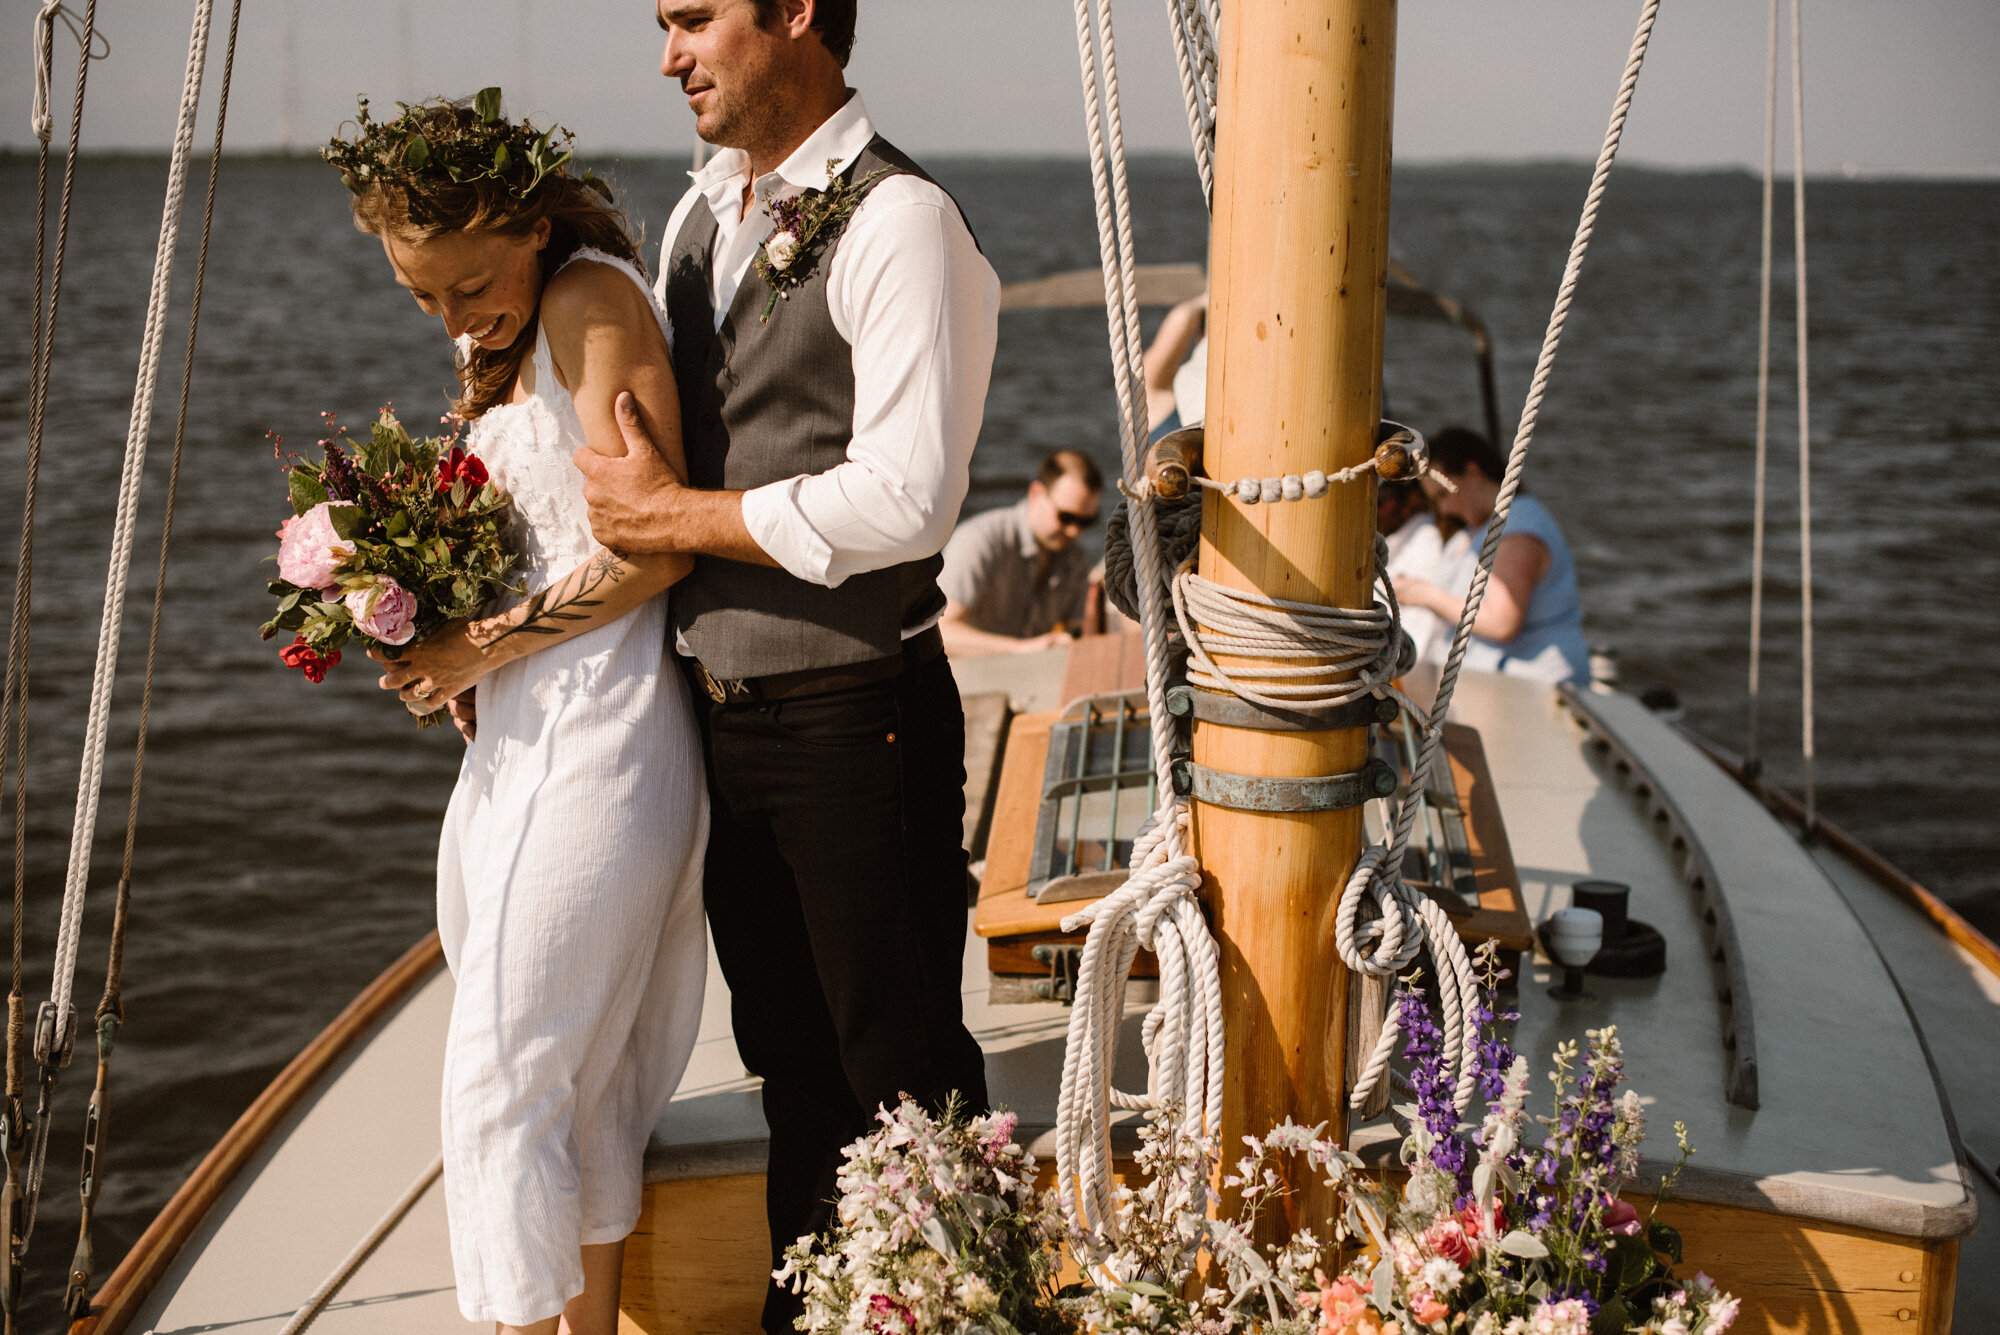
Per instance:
x=732, y=67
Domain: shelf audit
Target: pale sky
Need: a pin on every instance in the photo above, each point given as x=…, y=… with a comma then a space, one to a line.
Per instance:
x=1893, y=86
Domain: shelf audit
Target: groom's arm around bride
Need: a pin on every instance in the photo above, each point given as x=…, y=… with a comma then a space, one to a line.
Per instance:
x=832, y=368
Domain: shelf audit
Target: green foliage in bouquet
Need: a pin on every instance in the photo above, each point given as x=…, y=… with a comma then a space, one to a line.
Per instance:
x=387, y=542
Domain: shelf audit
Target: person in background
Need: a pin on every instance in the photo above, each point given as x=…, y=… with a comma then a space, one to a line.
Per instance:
x=1403, y=518
x=1177, y=368
x=1015, y=579
x=1531, y=621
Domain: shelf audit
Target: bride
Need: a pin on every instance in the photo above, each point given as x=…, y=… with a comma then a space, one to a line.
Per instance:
x=569, y=872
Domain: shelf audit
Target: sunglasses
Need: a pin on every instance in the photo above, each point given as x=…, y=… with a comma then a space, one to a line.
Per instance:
x=1069, y=519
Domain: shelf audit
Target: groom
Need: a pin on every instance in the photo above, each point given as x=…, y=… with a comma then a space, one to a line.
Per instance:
x=829, y=420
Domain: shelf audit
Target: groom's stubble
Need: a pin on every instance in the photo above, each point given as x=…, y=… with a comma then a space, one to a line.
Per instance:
x=765, y=90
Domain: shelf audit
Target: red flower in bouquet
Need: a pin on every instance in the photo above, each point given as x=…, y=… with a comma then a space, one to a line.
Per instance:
x=298, y=654
x=461, y=466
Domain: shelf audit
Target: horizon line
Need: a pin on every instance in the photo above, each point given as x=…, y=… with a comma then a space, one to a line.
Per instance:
x=1845, y=173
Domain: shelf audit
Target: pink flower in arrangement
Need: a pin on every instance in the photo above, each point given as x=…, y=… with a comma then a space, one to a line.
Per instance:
x=1344, y=1310
x=388, y=611
x=309, y=549
x=1568, y=1317
x=1621, y=1219
x=1448, y=1238
x=886, y=1316
x=1427, y=1309
x=1002, y=1133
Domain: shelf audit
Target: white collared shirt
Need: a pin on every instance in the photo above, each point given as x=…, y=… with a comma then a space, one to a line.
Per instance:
x=919, y=305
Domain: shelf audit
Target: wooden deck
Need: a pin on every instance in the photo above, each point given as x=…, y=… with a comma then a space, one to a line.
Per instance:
x=1836, y=1206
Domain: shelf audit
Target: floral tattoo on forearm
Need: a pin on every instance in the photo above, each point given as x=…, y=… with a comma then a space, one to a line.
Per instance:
x=548, y=608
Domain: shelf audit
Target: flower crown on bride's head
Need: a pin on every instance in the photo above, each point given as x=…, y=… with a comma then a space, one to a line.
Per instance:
x=440, y=143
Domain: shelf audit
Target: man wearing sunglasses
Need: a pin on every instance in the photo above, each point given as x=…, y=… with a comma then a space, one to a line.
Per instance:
x=1015, y=579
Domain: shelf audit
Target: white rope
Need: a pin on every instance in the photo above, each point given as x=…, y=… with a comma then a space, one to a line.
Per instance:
x=1395, y=939
x=1350, y=652
x=1805, y=423
x=90, y=782
x=96, y=47
x=1196, y=25
x=1158, y=906
x=1752, y=748
x=312, y=1308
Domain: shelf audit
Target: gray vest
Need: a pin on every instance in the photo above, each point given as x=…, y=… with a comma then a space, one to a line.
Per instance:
x=760, y=403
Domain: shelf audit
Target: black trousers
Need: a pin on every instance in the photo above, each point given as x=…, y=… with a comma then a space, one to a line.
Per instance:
x=836, y=894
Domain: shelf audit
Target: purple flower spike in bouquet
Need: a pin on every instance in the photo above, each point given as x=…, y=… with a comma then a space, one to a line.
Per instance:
x=387, y=543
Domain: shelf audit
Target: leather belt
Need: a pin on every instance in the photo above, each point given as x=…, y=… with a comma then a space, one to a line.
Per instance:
x=919, y=649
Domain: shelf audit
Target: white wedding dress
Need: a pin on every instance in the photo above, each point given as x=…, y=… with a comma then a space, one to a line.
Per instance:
x=569, y=900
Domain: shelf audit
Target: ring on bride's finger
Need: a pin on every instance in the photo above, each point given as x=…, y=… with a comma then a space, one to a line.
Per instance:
x=424, y=694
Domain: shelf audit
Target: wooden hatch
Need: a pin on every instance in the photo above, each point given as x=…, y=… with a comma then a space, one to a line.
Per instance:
x=1041, y=831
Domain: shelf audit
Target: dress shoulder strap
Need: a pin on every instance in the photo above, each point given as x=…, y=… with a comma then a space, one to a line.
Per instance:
x=626, y=267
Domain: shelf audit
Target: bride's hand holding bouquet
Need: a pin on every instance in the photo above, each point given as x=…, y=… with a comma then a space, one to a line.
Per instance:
x=395, y=544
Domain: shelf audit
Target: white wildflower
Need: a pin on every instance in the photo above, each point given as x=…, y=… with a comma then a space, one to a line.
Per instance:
x=781, y=249
x=1440, y=1275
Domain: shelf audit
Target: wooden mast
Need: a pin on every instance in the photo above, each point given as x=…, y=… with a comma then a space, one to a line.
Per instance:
x=1298, y=286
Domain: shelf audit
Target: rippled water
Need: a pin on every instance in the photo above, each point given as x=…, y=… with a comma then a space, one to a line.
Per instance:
x=286, y=833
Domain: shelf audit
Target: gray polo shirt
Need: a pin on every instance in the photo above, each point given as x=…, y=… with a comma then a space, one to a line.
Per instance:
x=1007, y=584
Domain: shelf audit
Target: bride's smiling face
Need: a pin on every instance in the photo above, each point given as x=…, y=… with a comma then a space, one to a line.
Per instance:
x=483, y=284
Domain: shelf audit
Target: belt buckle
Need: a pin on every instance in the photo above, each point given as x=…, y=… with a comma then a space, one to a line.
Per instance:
x=712, y=684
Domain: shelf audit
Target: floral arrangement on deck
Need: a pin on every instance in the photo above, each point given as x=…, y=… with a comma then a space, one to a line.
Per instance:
x=1494, y=1231
x=386, y=543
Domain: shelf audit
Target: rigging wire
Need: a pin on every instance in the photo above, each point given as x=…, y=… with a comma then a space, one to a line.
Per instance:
x=1753, y=759
x=110, y=1013
x=1806, y=741
x=14, y=1123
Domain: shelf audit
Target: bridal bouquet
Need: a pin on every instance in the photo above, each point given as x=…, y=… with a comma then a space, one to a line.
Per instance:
x=389, y=538
x=1489, y=1233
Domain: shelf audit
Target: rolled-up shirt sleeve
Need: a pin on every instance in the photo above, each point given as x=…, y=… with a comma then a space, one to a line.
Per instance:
x=919, y=306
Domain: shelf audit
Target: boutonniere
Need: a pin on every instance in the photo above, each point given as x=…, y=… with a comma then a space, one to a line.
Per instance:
x=802, y=228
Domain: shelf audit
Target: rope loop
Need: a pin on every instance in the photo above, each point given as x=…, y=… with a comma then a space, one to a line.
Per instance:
x=95, y=46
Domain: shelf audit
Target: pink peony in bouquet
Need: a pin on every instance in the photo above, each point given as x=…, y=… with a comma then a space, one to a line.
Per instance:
x=386, y=543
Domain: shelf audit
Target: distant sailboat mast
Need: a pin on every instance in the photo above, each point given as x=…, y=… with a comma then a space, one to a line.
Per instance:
x=288, y=79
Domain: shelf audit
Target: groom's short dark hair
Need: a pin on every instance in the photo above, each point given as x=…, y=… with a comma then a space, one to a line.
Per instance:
x=833, y=20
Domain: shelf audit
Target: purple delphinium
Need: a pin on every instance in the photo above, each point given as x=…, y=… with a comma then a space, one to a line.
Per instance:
x=341, y=477
x=1494, y=1055
x=1424, y=1050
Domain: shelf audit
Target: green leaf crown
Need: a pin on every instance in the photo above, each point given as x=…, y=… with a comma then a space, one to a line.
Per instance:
x=441, y=143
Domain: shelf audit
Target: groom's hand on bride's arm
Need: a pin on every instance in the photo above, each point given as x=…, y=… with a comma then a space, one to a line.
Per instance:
x=639, y=504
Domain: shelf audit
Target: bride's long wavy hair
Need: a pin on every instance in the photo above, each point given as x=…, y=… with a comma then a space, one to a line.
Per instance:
x=580, y=212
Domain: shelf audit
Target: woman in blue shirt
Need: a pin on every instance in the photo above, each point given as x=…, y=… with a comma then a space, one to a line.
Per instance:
x=1530, y=623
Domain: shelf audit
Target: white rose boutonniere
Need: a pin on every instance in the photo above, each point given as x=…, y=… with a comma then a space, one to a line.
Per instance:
x=805, y=225
x=781, y=250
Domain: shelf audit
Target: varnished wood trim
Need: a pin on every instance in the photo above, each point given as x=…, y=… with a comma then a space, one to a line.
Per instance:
x=1865, y=859
x=132, y=1282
